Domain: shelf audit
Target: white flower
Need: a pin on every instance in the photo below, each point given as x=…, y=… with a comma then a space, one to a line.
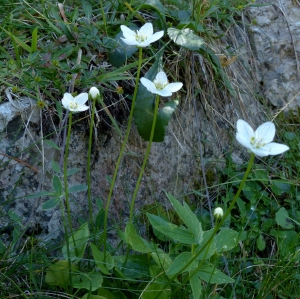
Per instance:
x=218, y=212
x=76, y=104
x=141, y=38
x=161, y=85
x=259, y=142
x=94, y=92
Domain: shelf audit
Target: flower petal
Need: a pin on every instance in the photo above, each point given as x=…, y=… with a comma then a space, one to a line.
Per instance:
x=146, y=30
x=130, y=42
x=156, y=36
x=81, y=98
x=260, y=152
x=127, y=32
x=164, y=93
x=66, y=100
x=161, y=78
x=244, y=141
x=276, y=148
x=266, y=132
x=173, y=87
x=81, y=108
x=244, y=129
x=147, y=83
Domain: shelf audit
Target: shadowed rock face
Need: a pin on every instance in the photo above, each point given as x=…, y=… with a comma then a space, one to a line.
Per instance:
x=265, y=68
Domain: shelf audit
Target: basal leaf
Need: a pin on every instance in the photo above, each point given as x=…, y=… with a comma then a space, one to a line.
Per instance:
x=58, y=274
x=135, y=241
x=88, y=281
x=98, y=256
x=188, y=217
x=209, y=273
x=226, y=239
x=195, y=286
x=119, y=51
x=283, y=219
x=77, y=243
x=186, y=38
x=180, y=262
x=171, y=230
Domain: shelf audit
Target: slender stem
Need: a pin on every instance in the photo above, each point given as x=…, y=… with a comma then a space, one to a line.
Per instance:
x=67, y=197
x=65, y=171
x=88, y=170
x=216, y=229
x=121, y=151
x=62, y=210
x=145, y=159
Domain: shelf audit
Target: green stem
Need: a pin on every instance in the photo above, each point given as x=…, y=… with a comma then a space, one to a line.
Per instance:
x=145, y=159
x=62, y=210
x=88, y=170
x=121, y=151
x=67, y=204
x=216, y=229
x=65, y=171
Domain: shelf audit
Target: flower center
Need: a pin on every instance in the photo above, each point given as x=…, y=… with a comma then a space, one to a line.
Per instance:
x=257, y=142
x=74, y=105
x=140, y=37
x=160, y=85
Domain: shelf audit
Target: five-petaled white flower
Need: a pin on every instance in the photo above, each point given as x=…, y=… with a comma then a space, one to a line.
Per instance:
x=259, y=142
x=76, y=104
x=161, y=85
x=140, y=38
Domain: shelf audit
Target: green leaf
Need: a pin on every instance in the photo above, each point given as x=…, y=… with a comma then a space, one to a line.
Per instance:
x=87, y=7
x=57, y=186
x=261, y=243
x=99, y=260
x=210, y=250
x=186, y=38
x=72, y=171
x=158, y=7
x=144, y=108
x=42, y=193
x=51, y=203
x=89, y=281
x=226, y=239
x=210, y=274
x=104, y=293
x=171, y=230
x=283, y=219
x=77, y=243
x=196, y=286
x=120, y=51
x=55, y=166
x=58, y=274
x=34, y=39
x=181, y=261
x=51, y=144
x=78, y=188
x=137, y=266
x=162, y=259
x=135, y=241
x=90, y=296
x=280, y=187
x=156, y=290
x=188, y=217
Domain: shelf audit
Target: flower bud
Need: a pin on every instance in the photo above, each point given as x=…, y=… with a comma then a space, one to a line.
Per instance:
x=94, y=92
x=218, y=212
